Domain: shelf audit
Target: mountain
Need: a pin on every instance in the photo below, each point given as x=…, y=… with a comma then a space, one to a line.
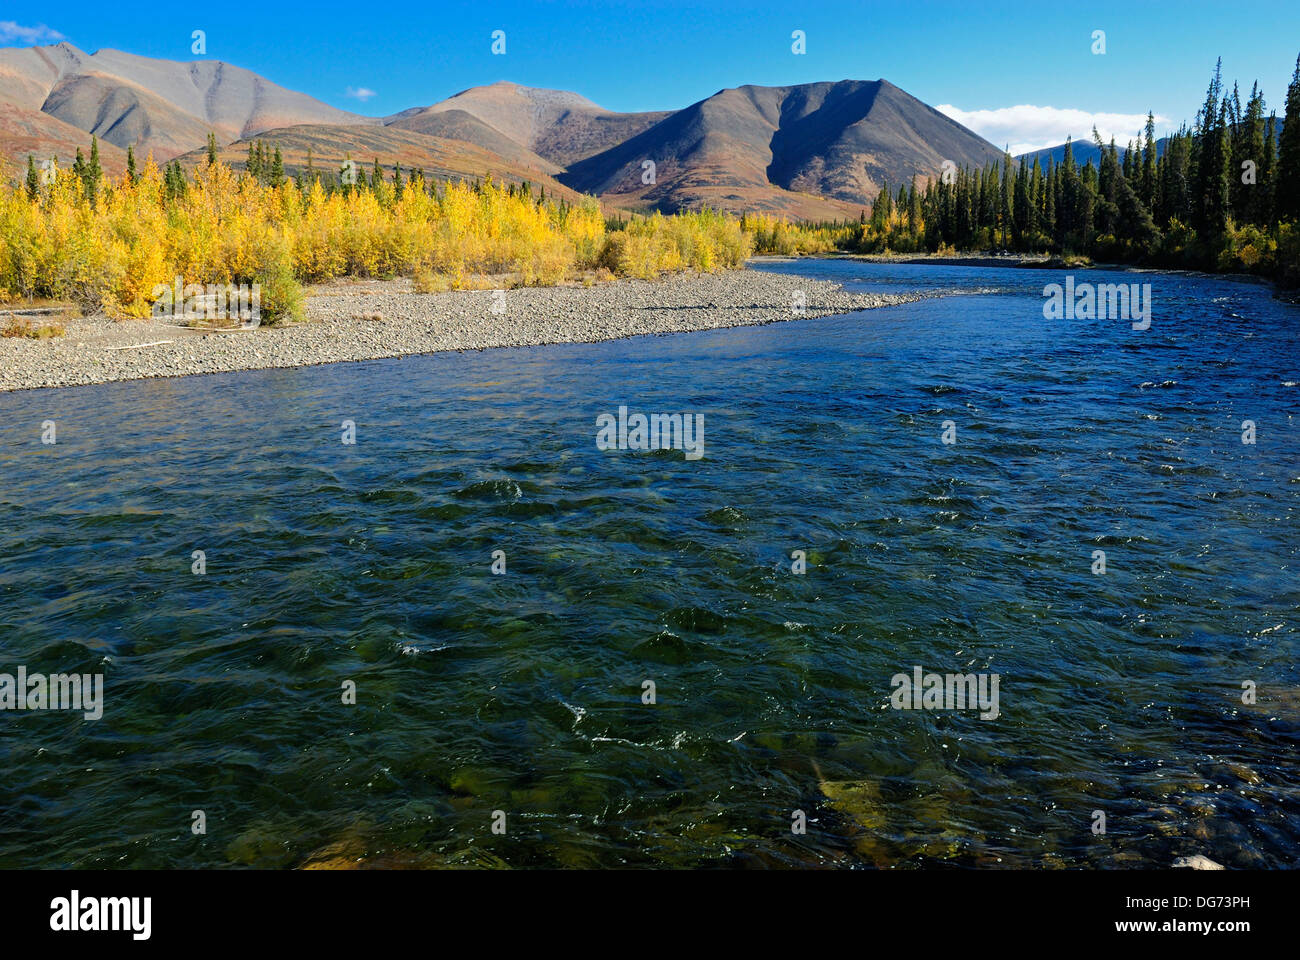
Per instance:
x=1085, y=150
x=440, y=158
x=817, y=151
x=1082, y=151
x=460, y=125
x=560, y=126
x=24, y=132
x=163, y=106
x=750, y=147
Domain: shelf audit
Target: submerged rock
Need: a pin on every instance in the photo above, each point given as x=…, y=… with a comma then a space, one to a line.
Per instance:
x=856, y=799
x=1198, y=862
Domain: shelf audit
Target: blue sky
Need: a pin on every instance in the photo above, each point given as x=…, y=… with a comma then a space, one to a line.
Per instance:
x=1016, y=72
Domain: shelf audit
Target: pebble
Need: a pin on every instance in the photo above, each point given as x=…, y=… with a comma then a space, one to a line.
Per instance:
x=412, y=323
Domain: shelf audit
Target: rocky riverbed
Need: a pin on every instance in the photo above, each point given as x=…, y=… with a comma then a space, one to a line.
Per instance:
x=365, y=320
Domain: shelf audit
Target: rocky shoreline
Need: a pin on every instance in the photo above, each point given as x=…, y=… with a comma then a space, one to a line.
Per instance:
x=367, y=320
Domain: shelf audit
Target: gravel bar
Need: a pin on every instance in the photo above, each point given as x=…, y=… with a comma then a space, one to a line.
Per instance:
x=366, y=320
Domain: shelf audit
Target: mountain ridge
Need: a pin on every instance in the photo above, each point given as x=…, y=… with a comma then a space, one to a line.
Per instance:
x=819, y=150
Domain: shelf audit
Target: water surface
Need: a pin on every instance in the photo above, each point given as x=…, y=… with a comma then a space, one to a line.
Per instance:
x=522, y=693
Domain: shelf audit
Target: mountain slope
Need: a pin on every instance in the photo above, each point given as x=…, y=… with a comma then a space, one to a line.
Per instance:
x=560, y=126
x=840, y=141
x=460, y=125
x=808, y=151
x=440, y=158
x=30, y=132
x=162, y=106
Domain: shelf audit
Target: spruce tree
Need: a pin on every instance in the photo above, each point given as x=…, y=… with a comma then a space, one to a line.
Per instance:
x=1268, y=173
x=1176, y=180
x=1210, y=214
x=1005, y=192
x=33, y=178
x=1238, y=145
x=1286, y=193
x=94, y=172
x=1149, y=162
x=131, y=174
x=212, y=149
x=1249, y=207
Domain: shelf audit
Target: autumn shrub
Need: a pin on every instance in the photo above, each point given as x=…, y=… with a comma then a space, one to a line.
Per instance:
x=112, y=251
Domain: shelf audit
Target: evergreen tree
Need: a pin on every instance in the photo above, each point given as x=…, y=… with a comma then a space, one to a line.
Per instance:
x=1249, y=206
x=1086, y=200
x=1108, y=177
x=1210, y=214
x=277, y=169
x=1268, y=173
x=1133, y=224
x=33, y=178
x=94, y=172
x=212, y=149
x=1067, y=200
x=1238, y=144
x=1176, y=180
x=880, y=210
x=1286, y=191
x=131, y=174
x=1005, y=192
x=1148, y=191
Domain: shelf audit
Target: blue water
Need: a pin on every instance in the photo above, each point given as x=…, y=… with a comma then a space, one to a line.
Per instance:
x=522, y=693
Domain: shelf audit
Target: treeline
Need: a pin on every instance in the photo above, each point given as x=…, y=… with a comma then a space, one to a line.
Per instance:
x=108, y=243
x=1224, y=195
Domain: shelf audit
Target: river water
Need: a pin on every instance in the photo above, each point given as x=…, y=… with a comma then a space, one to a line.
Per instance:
x=518, y=699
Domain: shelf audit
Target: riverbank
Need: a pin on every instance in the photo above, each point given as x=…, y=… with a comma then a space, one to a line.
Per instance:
x=367, y=320
x=961, y=260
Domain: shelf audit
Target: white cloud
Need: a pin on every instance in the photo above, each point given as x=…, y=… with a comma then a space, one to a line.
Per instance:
x=361, y=93
x=10, y=32
x=1026, y=127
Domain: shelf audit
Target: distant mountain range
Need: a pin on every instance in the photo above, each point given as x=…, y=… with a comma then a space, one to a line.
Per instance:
x=1085, y=150
x=814, y=151
x=1082, y=151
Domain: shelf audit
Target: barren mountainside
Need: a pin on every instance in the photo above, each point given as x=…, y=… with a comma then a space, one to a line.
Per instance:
x=809, y=151
x=163, y=106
